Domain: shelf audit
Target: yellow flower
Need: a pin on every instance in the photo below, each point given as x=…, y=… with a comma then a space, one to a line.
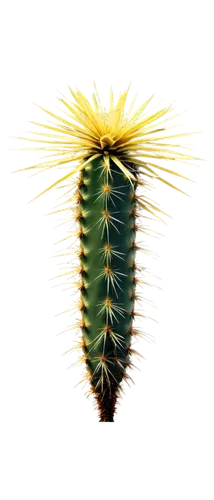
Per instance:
x=89, y=132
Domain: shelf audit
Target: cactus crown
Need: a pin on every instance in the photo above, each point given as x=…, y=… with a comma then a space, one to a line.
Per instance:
x=115, y=151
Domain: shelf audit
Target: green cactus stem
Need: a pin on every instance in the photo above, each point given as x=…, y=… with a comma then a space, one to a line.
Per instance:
x=107, y=239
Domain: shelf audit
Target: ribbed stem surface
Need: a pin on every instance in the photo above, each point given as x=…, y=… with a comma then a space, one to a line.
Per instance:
x=107, y=224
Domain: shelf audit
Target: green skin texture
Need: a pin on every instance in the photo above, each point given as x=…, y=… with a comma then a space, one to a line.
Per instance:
x=96, y=234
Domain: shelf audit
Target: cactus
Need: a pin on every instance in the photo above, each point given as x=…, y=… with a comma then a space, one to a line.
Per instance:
x=115, y=151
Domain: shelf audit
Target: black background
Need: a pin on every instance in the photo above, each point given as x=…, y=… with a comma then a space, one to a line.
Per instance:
x=34, y=379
